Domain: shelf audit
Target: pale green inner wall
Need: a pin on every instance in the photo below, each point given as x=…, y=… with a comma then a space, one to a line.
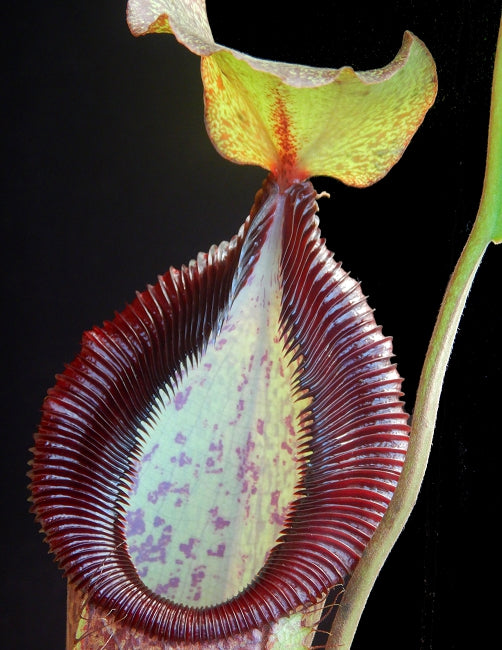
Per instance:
x=219, y=466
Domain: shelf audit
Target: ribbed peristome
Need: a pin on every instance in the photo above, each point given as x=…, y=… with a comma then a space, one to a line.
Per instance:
x=351, y=430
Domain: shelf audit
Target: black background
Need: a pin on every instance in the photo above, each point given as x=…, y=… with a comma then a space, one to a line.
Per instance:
x=110, y=178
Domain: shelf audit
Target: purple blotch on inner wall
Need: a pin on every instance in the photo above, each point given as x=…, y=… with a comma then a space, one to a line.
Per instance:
x=187, y=549
x=220, y=551
x=181, y=398
x=136, y=522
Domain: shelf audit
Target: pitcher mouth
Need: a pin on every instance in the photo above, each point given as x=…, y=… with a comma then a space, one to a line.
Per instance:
x=322, y=399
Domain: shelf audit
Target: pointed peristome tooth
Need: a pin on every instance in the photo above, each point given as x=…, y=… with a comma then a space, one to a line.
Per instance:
x=219, y=455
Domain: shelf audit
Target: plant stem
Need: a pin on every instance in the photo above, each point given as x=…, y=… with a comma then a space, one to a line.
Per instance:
x=424, y=419
x=487, y=227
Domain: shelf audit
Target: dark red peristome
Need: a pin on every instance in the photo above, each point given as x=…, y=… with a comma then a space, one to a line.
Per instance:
x=354, y=435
